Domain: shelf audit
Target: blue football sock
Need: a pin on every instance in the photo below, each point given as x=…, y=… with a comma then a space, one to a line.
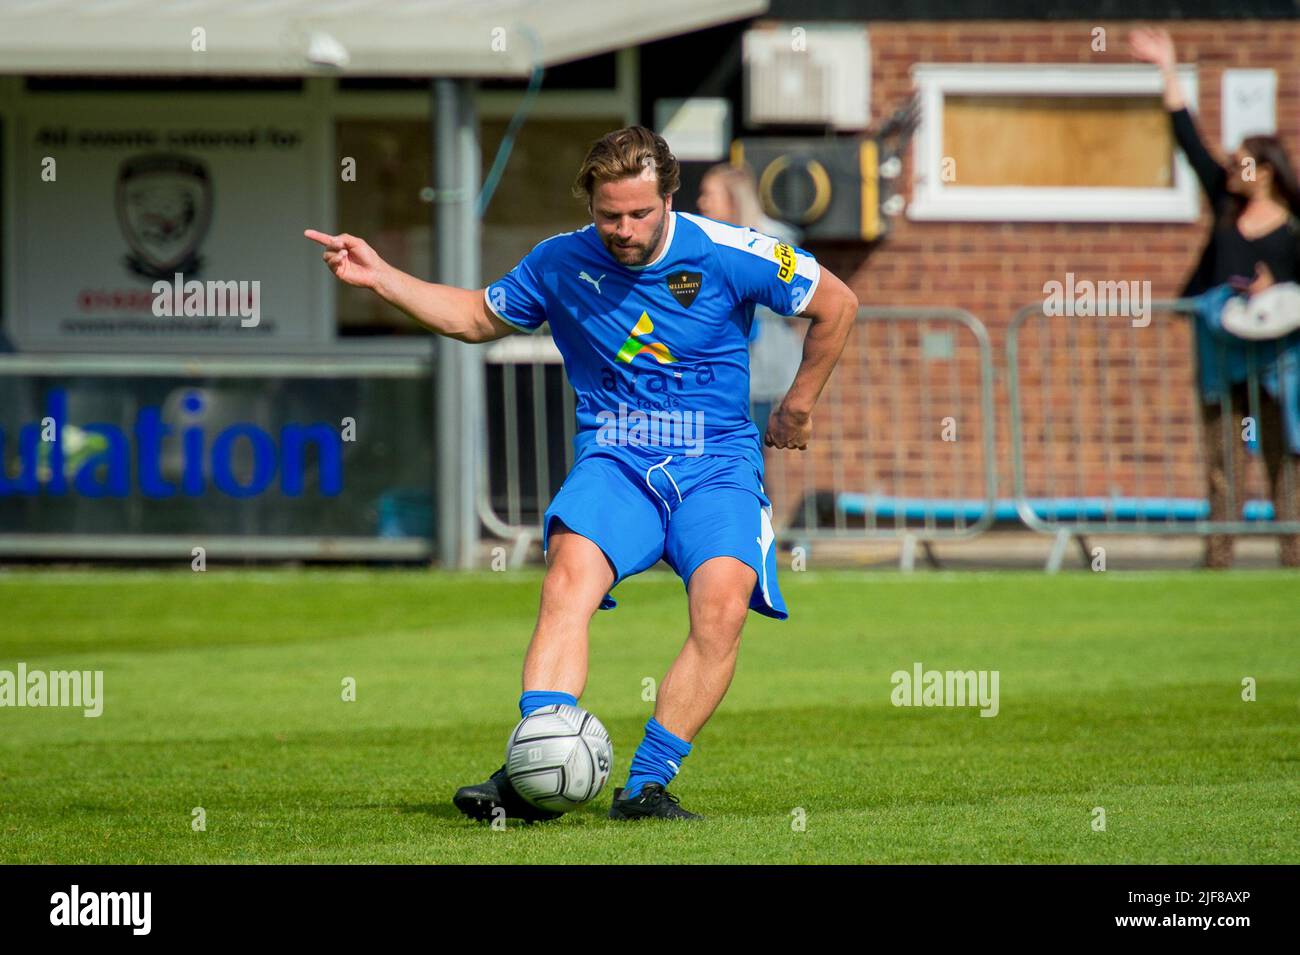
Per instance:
x=657, y=759
x=536, y=699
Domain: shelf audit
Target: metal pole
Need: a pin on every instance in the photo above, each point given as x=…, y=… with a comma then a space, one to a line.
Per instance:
x=447, y=386
x=471, y=400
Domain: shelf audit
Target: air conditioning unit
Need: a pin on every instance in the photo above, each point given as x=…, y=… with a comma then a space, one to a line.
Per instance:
x=817, y=75
x=829, y=186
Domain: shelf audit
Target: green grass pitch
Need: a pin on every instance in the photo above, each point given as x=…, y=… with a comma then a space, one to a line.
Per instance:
x=223, y=690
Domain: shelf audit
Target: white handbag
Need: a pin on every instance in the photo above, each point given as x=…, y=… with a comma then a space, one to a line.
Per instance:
x=1269, y=314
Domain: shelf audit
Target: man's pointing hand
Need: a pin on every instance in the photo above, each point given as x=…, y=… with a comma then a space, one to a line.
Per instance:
x=351, y=259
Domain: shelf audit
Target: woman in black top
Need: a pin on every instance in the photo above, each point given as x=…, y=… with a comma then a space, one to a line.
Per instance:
x=1254, y=242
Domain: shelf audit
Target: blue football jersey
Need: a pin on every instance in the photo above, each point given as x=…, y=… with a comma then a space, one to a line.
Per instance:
x=658, y=355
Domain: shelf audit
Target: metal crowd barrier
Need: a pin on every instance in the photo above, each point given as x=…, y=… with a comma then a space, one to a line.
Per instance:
x=902, y=446
x=1107, y=438
x=896, y=452
x=529, y=403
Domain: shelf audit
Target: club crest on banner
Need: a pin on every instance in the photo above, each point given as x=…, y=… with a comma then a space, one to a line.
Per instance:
x=164, y=208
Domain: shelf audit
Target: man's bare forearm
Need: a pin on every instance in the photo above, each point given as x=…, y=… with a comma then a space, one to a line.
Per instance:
x=822, y=347
x=455, y=312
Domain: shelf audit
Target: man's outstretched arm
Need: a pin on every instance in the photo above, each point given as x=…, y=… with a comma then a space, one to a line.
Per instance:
x=458, y=313
x=832, y=311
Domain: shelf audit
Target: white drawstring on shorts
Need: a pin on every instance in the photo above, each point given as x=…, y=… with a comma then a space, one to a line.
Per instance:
x=670, y=478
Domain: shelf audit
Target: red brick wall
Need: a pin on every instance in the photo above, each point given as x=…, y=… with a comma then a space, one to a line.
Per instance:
x=993, y=268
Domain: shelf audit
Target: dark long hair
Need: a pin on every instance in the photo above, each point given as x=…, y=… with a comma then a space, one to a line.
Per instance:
x=1269, y=151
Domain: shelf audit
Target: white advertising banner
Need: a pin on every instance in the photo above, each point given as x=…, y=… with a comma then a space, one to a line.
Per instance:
x=159, y=229
x=1249, y=105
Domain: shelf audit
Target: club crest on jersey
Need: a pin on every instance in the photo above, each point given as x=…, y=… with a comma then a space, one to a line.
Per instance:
x=635, y=346
x=785, y=256
x=685, y=286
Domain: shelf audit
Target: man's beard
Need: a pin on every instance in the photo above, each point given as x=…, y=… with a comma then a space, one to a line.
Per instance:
x=643, y=252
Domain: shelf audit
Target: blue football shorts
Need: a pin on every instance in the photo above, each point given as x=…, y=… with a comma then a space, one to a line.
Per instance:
x=683, y=510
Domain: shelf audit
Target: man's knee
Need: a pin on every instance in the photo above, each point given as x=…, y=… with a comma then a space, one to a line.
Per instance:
x=719, y=598
x=578, y=573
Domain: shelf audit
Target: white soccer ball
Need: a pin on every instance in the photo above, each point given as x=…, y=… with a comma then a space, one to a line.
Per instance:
x=559, y=757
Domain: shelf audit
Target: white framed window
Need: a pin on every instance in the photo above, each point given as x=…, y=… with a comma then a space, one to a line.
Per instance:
x=1048, y=143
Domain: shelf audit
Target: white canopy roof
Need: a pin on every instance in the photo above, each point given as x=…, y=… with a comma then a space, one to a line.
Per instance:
x=364, y=37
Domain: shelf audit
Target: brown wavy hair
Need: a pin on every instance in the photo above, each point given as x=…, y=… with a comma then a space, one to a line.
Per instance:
x=1269, y=151
x=623, y=154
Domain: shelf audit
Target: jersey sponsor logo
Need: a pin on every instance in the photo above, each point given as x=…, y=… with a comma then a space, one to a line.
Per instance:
x=595, y=282
x=785, y=256
x=685, y=286
x=650, y=388
x=635, y=346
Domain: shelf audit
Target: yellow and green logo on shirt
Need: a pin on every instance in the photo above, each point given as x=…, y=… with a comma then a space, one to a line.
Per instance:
x=634, y=346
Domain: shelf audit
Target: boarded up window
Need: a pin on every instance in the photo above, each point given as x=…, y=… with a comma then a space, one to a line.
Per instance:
x=1087, y=141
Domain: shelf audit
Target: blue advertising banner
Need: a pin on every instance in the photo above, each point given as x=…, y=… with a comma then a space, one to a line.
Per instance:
x=248, y=456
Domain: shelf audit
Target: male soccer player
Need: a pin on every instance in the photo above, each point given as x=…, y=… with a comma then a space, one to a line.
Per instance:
x=650, y=309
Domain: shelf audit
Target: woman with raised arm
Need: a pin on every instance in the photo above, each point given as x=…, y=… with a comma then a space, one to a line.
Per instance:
x=1254, y=242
